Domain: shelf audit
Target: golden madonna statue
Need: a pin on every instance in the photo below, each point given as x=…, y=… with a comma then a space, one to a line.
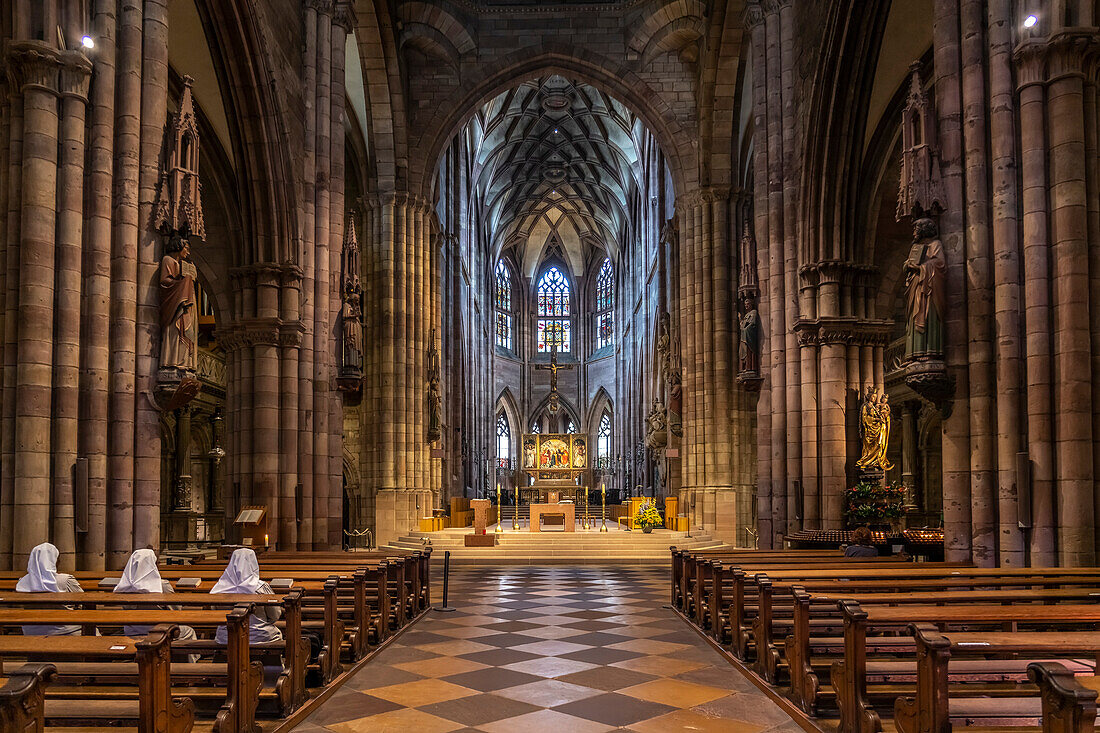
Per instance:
x=874, y=427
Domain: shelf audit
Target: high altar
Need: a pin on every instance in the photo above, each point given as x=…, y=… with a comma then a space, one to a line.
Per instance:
x=558, y=465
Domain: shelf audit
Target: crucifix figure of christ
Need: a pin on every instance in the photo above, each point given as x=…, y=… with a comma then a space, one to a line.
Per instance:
x=553, y=368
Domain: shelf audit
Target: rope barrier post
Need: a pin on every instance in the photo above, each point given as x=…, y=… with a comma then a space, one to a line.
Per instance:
x=446, y=582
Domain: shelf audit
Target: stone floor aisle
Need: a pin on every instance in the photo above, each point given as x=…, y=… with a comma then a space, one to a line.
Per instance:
x=558, y=649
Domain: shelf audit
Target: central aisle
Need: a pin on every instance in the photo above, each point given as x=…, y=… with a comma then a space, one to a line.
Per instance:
x=550, y=648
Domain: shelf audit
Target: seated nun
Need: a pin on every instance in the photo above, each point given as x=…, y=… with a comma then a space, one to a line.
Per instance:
x=242, y=575
x=42, y=577
x=141, y=576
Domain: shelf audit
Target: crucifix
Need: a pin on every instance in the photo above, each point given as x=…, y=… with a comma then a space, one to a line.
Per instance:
x=553, y=368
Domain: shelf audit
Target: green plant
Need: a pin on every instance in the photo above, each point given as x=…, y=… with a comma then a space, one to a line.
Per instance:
x=648, y=516
x=873, y=503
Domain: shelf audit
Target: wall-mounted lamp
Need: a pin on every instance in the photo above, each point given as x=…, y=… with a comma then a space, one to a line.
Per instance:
x=1030, y=21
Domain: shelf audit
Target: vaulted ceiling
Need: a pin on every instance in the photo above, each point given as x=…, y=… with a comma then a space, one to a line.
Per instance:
x=560, y=157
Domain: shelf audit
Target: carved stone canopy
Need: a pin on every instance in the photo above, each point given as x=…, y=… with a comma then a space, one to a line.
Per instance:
x=920, y=192
x=179, y=192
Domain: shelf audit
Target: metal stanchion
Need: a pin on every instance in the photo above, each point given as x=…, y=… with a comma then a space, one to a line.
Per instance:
x=446, y=582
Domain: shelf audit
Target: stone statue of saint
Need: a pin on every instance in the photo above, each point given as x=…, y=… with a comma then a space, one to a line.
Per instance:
x=435, y=397
x=750, y=337
x=924, y=284
x=874, y=425
x=655, y=421
x=351, y=321
x=178, y=317
x=675, y=399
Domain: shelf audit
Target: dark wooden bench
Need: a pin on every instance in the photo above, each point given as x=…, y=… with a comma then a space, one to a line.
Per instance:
x=143, y=663
x=1069, y=702
x=22, y=697
x=236, y=701
x=858, y=712
x=290, y=682
x=949, y=664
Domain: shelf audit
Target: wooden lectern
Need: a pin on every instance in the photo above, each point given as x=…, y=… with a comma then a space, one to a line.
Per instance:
x=251, y=523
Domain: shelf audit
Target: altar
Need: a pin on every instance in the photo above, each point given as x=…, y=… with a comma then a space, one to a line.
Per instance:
x=566, y=510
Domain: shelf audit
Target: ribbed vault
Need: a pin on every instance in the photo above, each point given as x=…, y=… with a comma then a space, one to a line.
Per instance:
x=555, y=155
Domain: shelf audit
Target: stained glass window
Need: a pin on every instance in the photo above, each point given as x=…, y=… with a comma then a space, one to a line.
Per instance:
x=569, y=426
x=603, y=438
x=504, y=437
x=504, y=306
x=605, y=300
x=535, y=427
x=553, y=325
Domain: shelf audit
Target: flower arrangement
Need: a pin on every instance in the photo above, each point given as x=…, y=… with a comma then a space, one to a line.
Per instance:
x=873, y=503
x=648, y=516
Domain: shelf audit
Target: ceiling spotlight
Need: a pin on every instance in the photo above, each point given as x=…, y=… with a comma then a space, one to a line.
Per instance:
x=556, y=129
x=1030, y=21
x=87, y=42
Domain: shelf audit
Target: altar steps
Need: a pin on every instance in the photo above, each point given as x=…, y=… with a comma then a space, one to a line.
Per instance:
x=557, y=547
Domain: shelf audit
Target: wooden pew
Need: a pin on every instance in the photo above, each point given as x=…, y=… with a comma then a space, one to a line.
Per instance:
x=22, y=698
x=290, y=684
x=849, y=677
x=940, y=701
x=146, y=661
x=244, y=678
x=799, y=646
x=758, y=587
x=775, y=603
x=1069, y=702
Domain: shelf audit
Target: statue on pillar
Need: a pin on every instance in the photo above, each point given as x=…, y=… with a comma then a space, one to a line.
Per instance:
x=177, y=216
x=926, y=271
x=656, y=435
x=675, y=398
x=749, y=354
x=435, y=397
x=351, y=315
x=178, y=317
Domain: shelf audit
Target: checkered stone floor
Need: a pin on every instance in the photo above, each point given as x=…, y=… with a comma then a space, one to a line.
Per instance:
x=550, y=648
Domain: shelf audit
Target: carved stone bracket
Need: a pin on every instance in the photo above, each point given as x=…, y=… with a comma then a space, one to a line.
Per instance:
x=846, y=331
x=929, y=378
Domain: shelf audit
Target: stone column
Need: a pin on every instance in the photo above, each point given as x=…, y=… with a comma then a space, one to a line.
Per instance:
x=75, y=74
x=956, y=429
x=13, y=196
x=1066, y=59
x=909, y=452
x=37, y=67
x=123, y=299
x=147, y=431
x=1006, y=275
x=96, y=325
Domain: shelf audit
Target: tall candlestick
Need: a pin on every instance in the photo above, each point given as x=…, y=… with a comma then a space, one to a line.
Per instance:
x=500, y=519
x=603, y=507
x=515, y=510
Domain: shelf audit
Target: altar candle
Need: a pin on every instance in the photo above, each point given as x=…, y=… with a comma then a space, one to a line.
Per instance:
x=265, y=541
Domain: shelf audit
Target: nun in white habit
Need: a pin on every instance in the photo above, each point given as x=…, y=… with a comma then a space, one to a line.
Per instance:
x=242, y=575
x=42, y=577
x=141, y=576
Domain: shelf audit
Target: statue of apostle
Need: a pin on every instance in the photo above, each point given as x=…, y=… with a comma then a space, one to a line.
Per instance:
x=924, y=284
x=750, y=337
x=178, y=319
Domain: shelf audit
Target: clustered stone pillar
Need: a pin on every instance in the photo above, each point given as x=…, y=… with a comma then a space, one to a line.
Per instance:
x=1023, y=361
x=42, y=220
x=717, y=480
x=402, y=279
x=822, y=342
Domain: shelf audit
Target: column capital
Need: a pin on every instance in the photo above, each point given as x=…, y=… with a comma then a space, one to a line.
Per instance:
x=1071, y=53
x=754, y=15
x=34, y=65
x=76, y=75
x=344, y=15
x=843, y=331
x=1030, y=57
